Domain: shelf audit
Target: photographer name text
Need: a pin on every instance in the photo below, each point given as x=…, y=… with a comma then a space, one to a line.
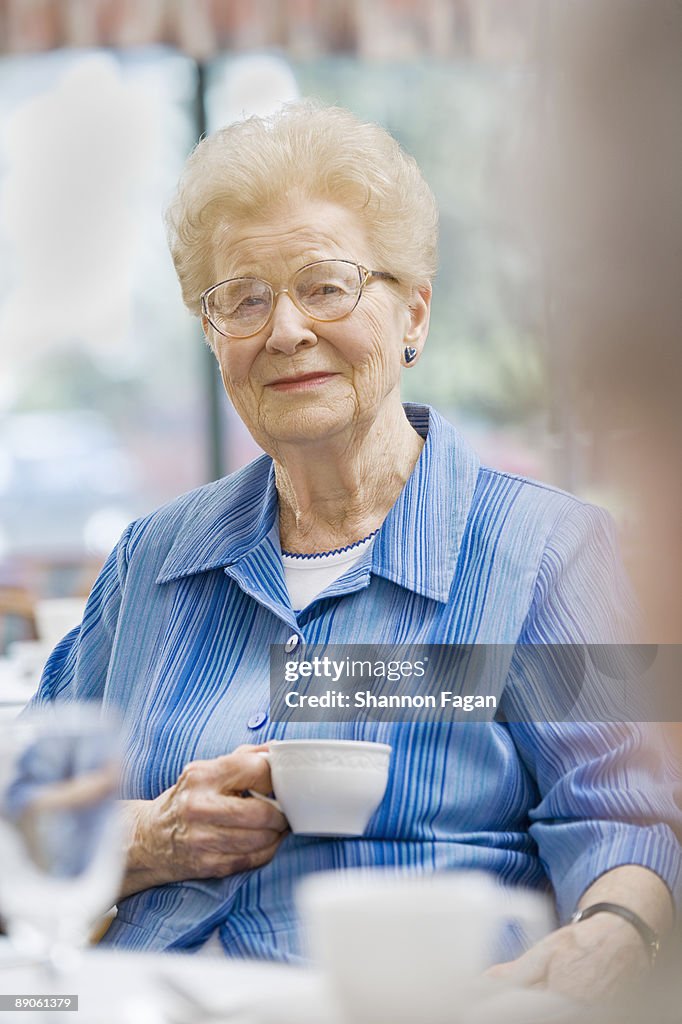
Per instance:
x=368, y=700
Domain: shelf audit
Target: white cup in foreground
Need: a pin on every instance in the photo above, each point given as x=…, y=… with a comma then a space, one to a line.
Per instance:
x=327, y=787
x=400, y=947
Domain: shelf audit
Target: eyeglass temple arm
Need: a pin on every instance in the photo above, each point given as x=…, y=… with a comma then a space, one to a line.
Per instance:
x=381, y=274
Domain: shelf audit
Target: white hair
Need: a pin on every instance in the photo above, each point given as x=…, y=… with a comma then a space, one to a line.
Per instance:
x=247, y=169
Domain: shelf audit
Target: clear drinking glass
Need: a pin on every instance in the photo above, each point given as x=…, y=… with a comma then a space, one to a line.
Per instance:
x=61, y=848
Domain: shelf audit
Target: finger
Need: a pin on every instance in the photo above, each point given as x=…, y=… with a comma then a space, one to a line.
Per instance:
x=245, y=812
x=233, y=840
x=243, y=769
x=217, y=864
x=197, y=802
x=230, y=773
x=529, y=969
x=263, y=856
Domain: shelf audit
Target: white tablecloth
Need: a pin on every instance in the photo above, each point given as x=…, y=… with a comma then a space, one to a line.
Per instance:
x=132, y=988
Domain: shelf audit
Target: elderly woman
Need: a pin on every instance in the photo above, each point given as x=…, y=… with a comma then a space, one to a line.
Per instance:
x=307, y=242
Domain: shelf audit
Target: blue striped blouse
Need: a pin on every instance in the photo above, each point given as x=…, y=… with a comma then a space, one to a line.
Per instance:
x=176, y=635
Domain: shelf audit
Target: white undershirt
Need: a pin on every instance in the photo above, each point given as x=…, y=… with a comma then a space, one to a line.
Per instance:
x=306, y=576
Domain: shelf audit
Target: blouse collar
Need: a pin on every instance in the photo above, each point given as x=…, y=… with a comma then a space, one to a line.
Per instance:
x=233, y=520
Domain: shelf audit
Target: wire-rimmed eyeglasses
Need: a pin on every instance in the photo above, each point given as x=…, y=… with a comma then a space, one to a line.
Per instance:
x=325, y=290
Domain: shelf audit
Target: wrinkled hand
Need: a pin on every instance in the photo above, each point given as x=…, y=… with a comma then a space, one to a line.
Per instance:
x=202, y=827
x=588, y=961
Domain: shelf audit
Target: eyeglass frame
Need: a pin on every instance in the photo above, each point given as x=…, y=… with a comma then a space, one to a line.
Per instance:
x=364, y=274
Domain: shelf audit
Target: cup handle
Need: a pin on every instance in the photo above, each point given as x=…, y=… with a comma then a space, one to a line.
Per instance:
x=265, y=799
x=261, y=796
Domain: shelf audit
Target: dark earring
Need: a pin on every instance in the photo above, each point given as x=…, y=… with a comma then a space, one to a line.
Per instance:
x=409, y=354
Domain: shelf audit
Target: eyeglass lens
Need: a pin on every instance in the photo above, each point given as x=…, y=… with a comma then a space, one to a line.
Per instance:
x=327, y=290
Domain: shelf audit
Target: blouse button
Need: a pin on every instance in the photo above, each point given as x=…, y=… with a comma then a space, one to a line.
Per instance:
x=291, y=643
x=255, y=722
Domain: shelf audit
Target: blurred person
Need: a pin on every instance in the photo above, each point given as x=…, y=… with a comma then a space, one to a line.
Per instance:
x=307, y=244
x=611, y=225
x=614, y=239
x=628, y=365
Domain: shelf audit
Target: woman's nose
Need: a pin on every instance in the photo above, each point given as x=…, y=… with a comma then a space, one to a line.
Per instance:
x=289, y=328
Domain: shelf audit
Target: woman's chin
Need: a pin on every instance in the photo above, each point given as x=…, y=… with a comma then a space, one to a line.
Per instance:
x=305, y=425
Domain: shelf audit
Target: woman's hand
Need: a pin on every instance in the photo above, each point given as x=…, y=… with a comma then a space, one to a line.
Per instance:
x=596, y=958
x=587, y=961
x=202, y=827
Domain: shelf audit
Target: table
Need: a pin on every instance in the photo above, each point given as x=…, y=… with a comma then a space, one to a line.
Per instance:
x=147, y=988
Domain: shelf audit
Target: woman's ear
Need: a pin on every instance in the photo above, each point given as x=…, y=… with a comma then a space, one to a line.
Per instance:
x=419, y=306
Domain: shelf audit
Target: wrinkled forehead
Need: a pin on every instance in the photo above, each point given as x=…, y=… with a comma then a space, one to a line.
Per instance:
x=275, y=246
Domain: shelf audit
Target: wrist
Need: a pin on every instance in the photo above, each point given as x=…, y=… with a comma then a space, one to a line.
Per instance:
x=615, y=918
x=145, y=865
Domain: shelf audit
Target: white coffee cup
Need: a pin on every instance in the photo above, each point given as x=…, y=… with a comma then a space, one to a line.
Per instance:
x=401, y=948
x=327, y=787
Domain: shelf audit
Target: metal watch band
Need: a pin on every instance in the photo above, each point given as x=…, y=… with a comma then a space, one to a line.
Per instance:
x=646, y=934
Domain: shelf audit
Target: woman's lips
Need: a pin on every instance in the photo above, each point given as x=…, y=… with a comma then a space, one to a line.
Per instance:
x=303, y=382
